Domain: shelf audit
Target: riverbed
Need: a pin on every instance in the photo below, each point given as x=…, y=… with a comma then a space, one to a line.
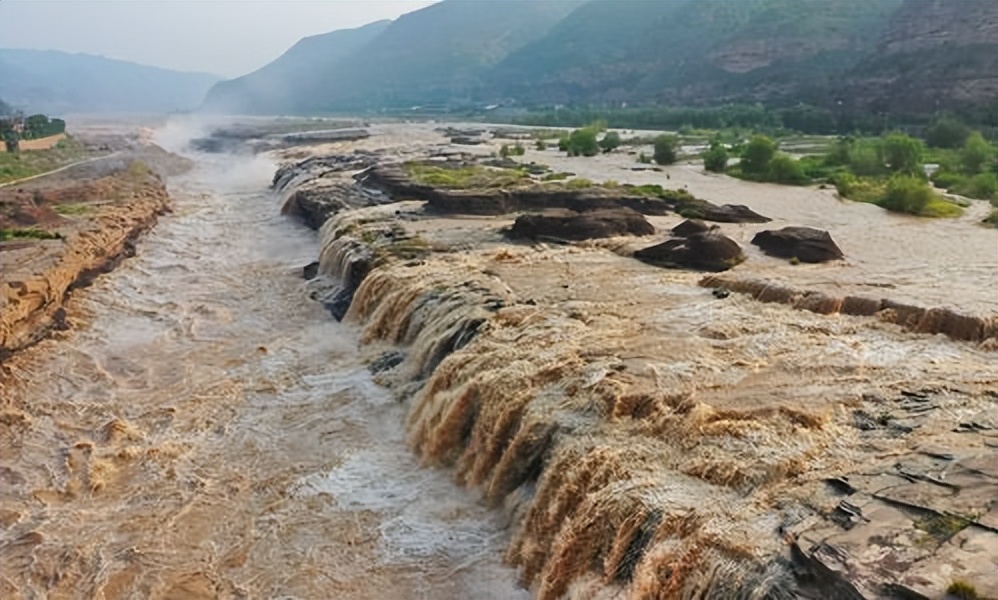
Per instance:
x=206, y=431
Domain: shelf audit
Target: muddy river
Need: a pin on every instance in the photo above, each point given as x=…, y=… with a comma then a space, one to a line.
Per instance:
x=207, y=431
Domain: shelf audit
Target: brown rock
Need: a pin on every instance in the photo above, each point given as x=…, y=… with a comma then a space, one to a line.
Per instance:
x=566, y=224
x=806, y=244
x=732, y=213
x=708, y=251
x=689, y=227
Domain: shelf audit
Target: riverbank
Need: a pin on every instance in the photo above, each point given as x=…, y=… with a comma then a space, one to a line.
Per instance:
x=650, y=437
x=62, y=230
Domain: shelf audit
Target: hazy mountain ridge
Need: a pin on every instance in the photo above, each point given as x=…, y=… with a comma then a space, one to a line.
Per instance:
x=903, y=54
x=286, y=84
x=53, y=82
x=438, y=54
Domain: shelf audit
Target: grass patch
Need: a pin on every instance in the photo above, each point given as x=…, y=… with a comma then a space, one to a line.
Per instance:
x=942, y=527
x=578, y=183
x=941, y=209
x=73, y=209
x=903, y=194
x=961, y=590
x=557, y=176
x=27, y=233
x=464, y=177
x=27, y=163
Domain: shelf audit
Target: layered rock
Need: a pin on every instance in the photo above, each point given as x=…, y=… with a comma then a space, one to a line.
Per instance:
x=40, y=274
x=913, y=318
x=574, y=226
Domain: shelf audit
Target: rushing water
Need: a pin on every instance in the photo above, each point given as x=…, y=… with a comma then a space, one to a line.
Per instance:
x=209, y=432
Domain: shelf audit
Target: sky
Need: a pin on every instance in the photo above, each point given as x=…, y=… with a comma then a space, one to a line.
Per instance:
x=224, y=37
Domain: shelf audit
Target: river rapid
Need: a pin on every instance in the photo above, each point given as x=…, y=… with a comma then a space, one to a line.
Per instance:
x=207, y=431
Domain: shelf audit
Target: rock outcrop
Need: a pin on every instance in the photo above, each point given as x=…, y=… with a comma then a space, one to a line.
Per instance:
x=706, y=251
x=806, y=244
x=732, y=213
x=40, y=274
x=914, y=318
x=569, y=225
x=393, y=180
x=689, y=227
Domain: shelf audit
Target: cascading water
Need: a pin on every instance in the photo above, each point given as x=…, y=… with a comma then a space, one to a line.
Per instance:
x=208, y=432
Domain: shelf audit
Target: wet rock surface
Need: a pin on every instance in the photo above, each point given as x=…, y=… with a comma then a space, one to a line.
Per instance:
x=806, y=244
x=568, y=225
x=706, y=251
x=913, y=318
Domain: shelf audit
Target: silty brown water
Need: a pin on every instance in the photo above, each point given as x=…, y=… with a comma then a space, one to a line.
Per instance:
x=209, y=432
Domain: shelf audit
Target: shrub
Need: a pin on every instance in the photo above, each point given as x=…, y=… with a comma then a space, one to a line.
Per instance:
x=784, y=169
x=610, y=141
x=540, y=145
x=839, y=155
x=563, y=143
x=981, y=186
x=757, y=154
x=582, y=142
x=902, y=153
x=716, y=159
x=643, y=159
x=665, y=149
x=946, y=179
x=975, y=154
x=517, y=149
x=504, y=151
x=906, y=194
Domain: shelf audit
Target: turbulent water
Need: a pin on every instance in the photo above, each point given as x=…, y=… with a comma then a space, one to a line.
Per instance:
x=207, y=431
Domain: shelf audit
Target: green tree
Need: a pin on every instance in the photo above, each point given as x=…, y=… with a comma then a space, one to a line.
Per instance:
x=946, y=132
x=716, y=158
x=839, y=155
x=665, y=149
x=902, y=154
x=866, y=159
x=610, y=141
x=975, y=154
x=757, y=154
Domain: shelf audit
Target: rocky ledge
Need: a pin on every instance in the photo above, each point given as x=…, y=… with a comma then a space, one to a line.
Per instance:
x=60, y=236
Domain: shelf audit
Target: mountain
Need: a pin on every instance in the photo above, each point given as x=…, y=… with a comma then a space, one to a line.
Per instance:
x=904, y=56
x=53, y=82
x=933, y=54
x=694, y=51
x=441, y=53
x=285, y=85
